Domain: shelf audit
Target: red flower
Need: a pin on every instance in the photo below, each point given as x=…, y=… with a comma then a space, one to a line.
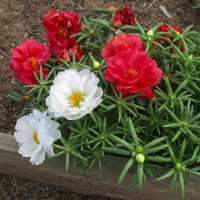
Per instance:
x=27, y=58
x=165, y=28
x=133, y=71
x=121, y=42
x=77, y=51
x=64, y=55
x=59, y=26
x=125, y=16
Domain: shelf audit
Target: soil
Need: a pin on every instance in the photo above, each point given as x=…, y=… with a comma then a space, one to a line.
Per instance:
x=21, y=19
x=12, y=188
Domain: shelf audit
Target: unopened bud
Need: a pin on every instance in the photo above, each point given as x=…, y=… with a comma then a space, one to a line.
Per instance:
x=112, y=8
x=190, y=57
x=140, y=158
x=119, y=103
x=133, y=154
x=173, y=97
x=27, y=98
x=96, y=64
x=154, y=99
x=139, y=149
x=150, y=33
x=117, y=24
x=83, y=27
x=184, y=124
x=92, y=32
x=113, y=30
x=178, y=166
x=178, y=34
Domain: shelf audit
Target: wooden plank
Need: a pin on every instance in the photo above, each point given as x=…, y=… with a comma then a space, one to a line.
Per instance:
x=8, y=143
x=93, y=182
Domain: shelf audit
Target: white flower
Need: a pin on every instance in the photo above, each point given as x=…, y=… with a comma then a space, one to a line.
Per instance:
x=36, y=133
x=74, y=94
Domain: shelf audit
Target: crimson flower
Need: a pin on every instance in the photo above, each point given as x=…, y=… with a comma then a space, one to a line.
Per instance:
x=64, y=55
x=165, y=28
x=77, y=51
x=59, y=27
x=133, y=71
x=125, y=16
x=27, y=58
x=121, y=42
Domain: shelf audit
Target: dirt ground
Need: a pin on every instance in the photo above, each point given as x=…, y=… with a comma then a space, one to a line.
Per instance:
x=21, y=19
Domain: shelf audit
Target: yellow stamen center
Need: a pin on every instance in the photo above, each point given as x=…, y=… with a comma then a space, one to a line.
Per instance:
x=75, y=98
x=34, y=63
x=35, y=138
x=131, y=73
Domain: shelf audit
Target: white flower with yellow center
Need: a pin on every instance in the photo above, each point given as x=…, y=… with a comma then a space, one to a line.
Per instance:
x=74, y=94
x=36, y=133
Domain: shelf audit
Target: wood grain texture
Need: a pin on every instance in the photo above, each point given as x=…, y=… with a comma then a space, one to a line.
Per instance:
x=93, y=182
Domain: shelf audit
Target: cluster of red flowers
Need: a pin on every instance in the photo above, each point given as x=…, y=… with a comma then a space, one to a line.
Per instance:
x=129, y=66
x=59, y=27
x=29, y=56
x=125, y=16
x=165, y=28
x=65, y=54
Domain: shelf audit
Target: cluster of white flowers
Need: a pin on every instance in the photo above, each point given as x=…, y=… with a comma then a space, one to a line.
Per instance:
x=36, y=133
x=72, y=95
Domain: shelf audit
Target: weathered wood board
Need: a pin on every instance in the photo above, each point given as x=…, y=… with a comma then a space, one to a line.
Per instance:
x=93, y=182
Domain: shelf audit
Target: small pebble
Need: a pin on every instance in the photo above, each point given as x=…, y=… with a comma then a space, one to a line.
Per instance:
x=12, y=45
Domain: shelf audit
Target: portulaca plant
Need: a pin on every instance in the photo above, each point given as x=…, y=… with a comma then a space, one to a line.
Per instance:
x=108, y=86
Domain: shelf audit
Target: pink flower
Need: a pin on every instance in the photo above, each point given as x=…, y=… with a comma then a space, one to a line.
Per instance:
x=121, y=42
x=27, y=59
x=59, y=27
x=133, y=71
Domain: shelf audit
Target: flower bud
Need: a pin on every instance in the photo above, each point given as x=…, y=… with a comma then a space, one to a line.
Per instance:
x=117, y=24
x=119, y=103
x=178, y=166
x=112, y=8
x=133, y=154
x=184, y=124
x=150, y=33
x=190, y=57
x=96, y=64
x=92, y=32
x=68, y=149
x=154, y=99
x=83, y=27
x=27, y=98
x=42, y=83
x=173, y=97
x=113, y=30
x=178, y=34
x=139, y=149
x=140, y=158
